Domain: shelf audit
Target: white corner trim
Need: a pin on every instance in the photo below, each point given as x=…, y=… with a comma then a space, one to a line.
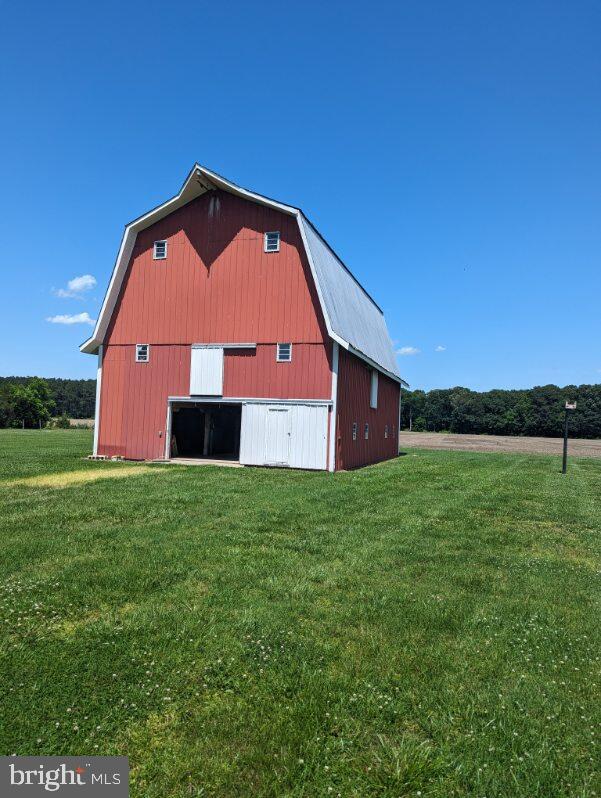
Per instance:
x=97, y=409
x=333, y=412
x=398, y=430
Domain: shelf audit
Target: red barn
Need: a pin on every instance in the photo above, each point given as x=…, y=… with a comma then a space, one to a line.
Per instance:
x=230, y=329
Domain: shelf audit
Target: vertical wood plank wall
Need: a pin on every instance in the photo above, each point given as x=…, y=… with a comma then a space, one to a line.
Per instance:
x=133, y=403
x=216, y=285
x=354, y=381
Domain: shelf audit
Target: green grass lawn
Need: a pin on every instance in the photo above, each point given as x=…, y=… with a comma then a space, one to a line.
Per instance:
x=429, y=626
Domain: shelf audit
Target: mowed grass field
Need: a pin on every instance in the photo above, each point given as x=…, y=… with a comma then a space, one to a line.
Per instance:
x=425, y=627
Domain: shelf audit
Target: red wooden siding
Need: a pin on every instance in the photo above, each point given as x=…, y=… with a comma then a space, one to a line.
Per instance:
x=354, y=380
x=133, y=402
x=134, y=395
x=217, y=285
x=258, y=374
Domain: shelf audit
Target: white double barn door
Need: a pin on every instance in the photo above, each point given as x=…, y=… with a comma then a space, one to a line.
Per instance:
x=292, y=435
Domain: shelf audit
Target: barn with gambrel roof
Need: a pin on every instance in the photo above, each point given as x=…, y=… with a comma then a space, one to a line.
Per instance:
x=231, y=330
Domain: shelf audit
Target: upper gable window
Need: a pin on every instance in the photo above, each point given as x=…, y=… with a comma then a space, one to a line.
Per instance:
x=142, y=353
x=159, y=250
x=272, y=242
x=284, y=353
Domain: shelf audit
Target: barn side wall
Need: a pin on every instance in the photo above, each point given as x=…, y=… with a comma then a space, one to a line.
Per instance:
x=354, y=381
x=133, y=402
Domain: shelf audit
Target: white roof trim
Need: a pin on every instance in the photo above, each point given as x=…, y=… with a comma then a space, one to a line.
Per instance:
x=199, y=180
x=247, y=400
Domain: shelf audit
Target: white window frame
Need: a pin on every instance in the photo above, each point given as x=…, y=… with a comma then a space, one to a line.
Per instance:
x=354, y=430
x=154, y=250
x=386, y=431
x=278, y=356
x=366, y=431
x=266, y=239
x=373, y=390
x=138, y=358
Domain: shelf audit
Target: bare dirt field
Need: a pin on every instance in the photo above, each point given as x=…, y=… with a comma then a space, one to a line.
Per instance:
x=499, y=443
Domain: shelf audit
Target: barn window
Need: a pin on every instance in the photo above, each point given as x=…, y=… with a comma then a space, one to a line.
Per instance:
x=272, y=242
x=354, y=430
x=284, y=354
x=373, y=392
x=386, y=431
x=142, y=353
x=159, y=250
x=366, y=431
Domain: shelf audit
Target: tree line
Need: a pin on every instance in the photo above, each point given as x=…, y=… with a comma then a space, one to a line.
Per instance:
x=32, y=402
x=533, y=411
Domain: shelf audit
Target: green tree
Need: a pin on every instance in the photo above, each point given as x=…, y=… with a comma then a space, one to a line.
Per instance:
x=29, y=405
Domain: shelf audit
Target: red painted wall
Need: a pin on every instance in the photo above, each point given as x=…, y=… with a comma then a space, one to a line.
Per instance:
x=133, y=402
x=216, y=285
x=354, y=381
x=133, y=399
x=257, y=373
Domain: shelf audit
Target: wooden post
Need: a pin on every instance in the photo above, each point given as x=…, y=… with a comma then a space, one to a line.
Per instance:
x=205, y=448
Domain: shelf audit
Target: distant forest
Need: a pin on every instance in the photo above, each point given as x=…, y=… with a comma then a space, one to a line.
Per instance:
x=533, y=411
x=73, y=398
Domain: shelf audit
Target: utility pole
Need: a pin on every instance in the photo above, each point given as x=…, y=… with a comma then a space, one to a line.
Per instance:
x=570, y=407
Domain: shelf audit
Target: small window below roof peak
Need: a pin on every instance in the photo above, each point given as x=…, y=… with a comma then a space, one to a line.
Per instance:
x=142, y=353
x=159, y=250
x=272, y=241
x=284, y=353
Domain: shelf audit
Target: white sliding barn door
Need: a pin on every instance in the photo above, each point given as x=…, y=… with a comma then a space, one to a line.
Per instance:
x=277, y=436
x=292, y=435
x=309, y=436
x=206, y=371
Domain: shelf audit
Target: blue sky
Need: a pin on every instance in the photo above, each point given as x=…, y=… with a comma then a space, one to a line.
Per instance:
x=450, y=152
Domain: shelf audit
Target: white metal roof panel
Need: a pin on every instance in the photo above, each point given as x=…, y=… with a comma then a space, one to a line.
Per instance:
x=353, y=314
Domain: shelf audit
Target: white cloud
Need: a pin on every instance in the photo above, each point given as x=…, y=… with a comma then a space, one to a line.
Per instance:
x=440, y=348
x=68, y=318
x=76, y=287
x=408, y=350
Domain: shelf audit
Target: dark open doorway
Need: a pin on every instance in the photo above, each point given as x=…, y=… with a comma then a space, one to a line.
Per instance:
x=206, y=430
